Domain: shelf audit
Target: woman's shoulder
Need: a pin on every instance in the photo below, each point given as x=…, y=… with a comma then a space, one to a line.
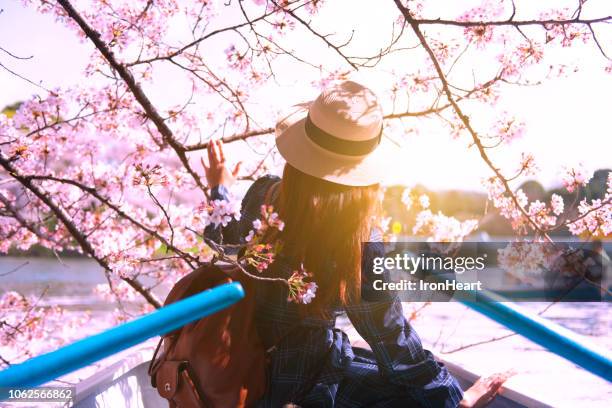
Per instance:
x=258, y=189
x=255, y=195
x=266, y=181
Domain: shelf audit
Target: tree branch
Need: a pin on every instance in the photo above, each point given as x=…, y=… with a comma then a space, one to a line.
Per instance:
x=94, y=193
x=321, y=36
x=74, y=231
x=462, y=116
x=510, y=22
x=390, y=116
x=135, y=88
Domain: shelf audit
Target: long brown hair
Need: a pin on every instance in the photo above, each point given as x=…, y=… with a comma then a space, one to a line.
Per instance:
x=325, y=225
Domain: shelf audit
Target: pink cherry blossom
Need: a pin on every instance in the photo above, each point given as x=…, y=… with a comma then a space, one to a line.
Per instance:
x=424, y=201
x=221, y=212
x=261, y=255
x=441, y=228
x=407, y=198
x=556, y=202
x=301, y=291
x=528, y=166
x=29, y=329
x=123, y=176
x=575, y=177
x=526, y=259
x=508, y=129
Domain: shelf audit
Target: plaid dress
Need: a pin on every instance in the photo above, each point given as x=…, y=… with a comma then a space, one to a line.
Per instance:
x=315, y=364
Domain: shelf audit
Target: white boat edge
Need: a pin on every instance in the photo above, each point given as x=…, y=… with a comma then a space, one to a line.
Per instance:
x=125, y=383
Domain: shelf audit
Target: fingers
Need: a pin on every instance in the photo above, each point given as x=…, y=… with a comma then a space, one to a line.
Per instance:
x=220, y=150
x=236, y=169
x=217, y=151
x=498, y=379
x=211, y=153
x=495, y=381
x=486, y=388
x=216, y=158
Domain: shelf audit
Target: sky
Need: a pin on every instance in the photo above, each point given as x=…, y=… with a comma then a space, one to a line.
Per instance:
x=567, y=120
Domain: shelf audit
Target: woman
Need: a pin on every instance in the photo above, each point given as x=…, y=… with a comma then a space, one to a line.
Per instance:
x=328, y=198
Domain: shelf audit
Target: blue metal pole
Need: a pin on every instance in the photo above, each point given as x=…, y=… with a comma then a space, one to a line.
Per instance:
x=49, y=366
x=549, y=335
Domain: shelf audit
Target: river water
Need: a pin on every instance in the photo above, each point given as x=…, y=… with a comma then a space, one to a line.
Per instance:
x=448, y=329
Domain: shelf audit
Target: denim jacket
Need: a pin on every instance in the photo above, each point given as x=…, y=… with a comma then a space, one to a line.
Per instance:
x=315, y=343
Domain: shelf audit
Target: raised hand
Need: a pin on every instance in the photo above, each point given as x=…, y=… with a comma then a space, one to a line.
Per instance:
x=216, y=171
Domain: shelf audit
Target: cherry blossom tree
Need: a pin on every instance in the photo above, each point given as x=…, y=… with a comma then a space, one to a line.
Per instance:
x=106, y=169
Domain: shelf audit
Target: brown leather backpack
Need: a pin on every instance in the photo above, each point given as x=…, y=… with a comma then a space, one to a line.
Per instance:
x=217, y=361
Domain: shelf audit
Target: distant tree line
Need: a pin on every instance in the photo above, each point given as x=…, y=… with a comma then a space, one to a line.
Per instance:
x=466, y=204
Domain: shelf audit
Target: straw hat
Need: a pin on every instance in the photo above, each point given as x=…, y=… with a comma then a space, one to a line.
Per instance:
x=337, y=137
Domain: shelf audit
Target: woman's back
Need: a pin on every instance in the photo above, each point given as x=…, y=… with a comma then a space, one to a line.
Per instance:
x=311, y=360
x=327, y=197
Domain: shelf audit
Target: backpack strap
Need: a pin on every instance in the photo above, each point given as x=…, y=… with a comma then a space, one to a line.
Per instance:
x=158, y=358
x=271, y=193
x=156, y=362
